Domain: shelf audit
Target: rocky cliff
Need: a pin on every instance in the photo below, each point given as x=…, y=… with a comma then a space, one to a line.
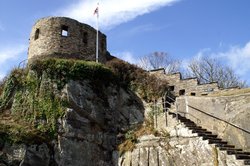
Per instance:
x=64, y=120
x=76, y=113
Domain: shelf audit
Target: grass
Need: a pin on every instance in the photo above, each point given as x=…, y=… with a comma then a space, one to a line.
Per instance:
x=33, y=96
x=148, y=87
x=131, y=137
x=230, y=92
x=63, y=70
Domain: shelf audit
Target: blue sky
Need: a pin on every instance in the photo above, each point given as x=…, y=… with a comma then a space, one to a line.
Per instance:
x=134, y=28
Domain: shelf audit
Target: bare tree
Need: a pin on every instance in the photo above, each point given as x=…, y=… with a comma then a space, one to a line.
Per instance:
x=208, y=69
x=158, y=60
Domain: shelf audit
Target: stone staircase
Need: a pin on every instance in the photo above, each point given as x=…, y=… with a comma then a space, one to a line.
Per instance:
x=213, y=139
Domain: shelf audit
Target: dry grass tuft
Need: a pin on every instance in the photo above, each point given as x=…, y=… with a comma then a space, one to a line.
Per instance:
x=230, y=92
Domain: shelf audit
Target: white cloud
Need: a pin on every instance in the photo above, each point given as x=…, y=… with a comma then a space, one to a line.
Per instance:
x=9, y=54
x=127, y=56
x=236, y=57
x=2, y=76
x=112, y=12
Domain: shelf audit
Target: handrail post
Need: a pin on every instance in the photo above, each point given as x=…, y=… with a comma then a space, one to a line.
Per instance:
x=186, y=103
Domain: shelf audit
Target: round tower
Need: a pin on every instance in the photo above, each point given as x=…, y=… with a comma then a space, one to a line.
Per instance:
x=65, y=38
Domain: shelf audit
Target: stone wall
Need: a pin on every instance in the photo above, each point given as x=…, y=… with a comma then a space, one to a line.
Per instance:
x=178, y=147
x=189, y=86
x=227, y=117
x=65, y=37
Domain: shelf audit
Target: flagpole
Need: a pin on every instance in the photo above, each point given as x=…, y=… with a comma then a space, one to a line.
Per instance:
x=97, y=35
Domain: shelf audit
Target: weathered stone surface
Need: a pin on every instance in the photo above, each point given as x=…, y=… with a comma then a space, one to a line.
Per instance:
x=38, y=155
x=87, y=134
x=226, y=116
x=135, y=157
x=144, y=156
x=46, y=40
x=189, y=86
x=12, y=154
x=23, y=155
x=89, y=129
x=184, y=148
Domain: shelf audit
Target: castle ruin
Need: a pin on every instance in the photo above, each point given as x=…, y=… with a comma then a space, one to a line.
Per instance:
x=188, y=86
x=67, y=38
x=63, y=37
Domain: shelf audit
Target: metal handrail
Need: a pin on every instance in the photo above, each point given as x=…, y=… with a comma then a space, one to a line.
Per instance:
x=238, y=127
x=171, y=98
x=22, y=63
x=167, y=95
x=168, y=103
x=198, y=120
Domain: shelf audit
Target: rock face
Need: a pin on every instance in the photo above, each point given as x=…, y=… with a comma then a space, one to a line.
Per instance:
x=94, y=123
x=88, y=131
x=90, y=127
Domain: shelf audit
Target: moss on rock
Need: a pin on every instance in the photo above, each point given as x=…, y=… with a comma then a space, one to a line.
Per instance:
x=34, y=96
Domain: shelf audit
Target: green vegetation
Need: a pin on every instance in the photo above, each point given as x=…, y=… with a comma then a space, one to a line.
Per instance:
x=216, y=156
x=147, y=128
x=34, y=97
x=131, y=137
x=63, y=70
x=149, y=87
x=31, y=99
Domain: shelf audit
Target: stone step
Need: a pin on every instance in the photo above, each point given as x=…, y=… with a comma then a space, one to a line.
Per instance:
x=230, y=149
x=217, y=142
x=224, y=146
x=211, y=138
x=199, y=130
x=242, y=156
x=182, y=117
x=202, y=133
x=247, y=162
x=171, y=113
x=194, y=127
x=186, y=121
x=232, y=152
x=190, y=125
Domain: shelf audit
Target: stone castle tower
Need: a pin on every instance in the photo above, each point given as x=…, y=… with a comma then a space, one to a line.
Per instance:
x=67, y=38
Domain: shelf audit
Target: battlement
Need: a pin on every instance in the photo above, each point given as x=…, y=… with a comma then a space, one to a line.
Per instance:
x=187, y=86
x=67, y=38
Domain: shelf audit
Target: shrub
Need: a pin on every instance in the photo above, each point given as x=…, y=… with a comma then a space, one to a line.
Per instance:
x=131, y=137
x=63, y=70
x=2, y=82
x=10, y=85
x=149, y=87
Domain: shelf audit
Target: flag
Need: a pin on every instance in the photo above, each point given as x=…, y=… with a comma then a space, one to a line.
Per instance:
x=96, y=11
x=97, y=30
